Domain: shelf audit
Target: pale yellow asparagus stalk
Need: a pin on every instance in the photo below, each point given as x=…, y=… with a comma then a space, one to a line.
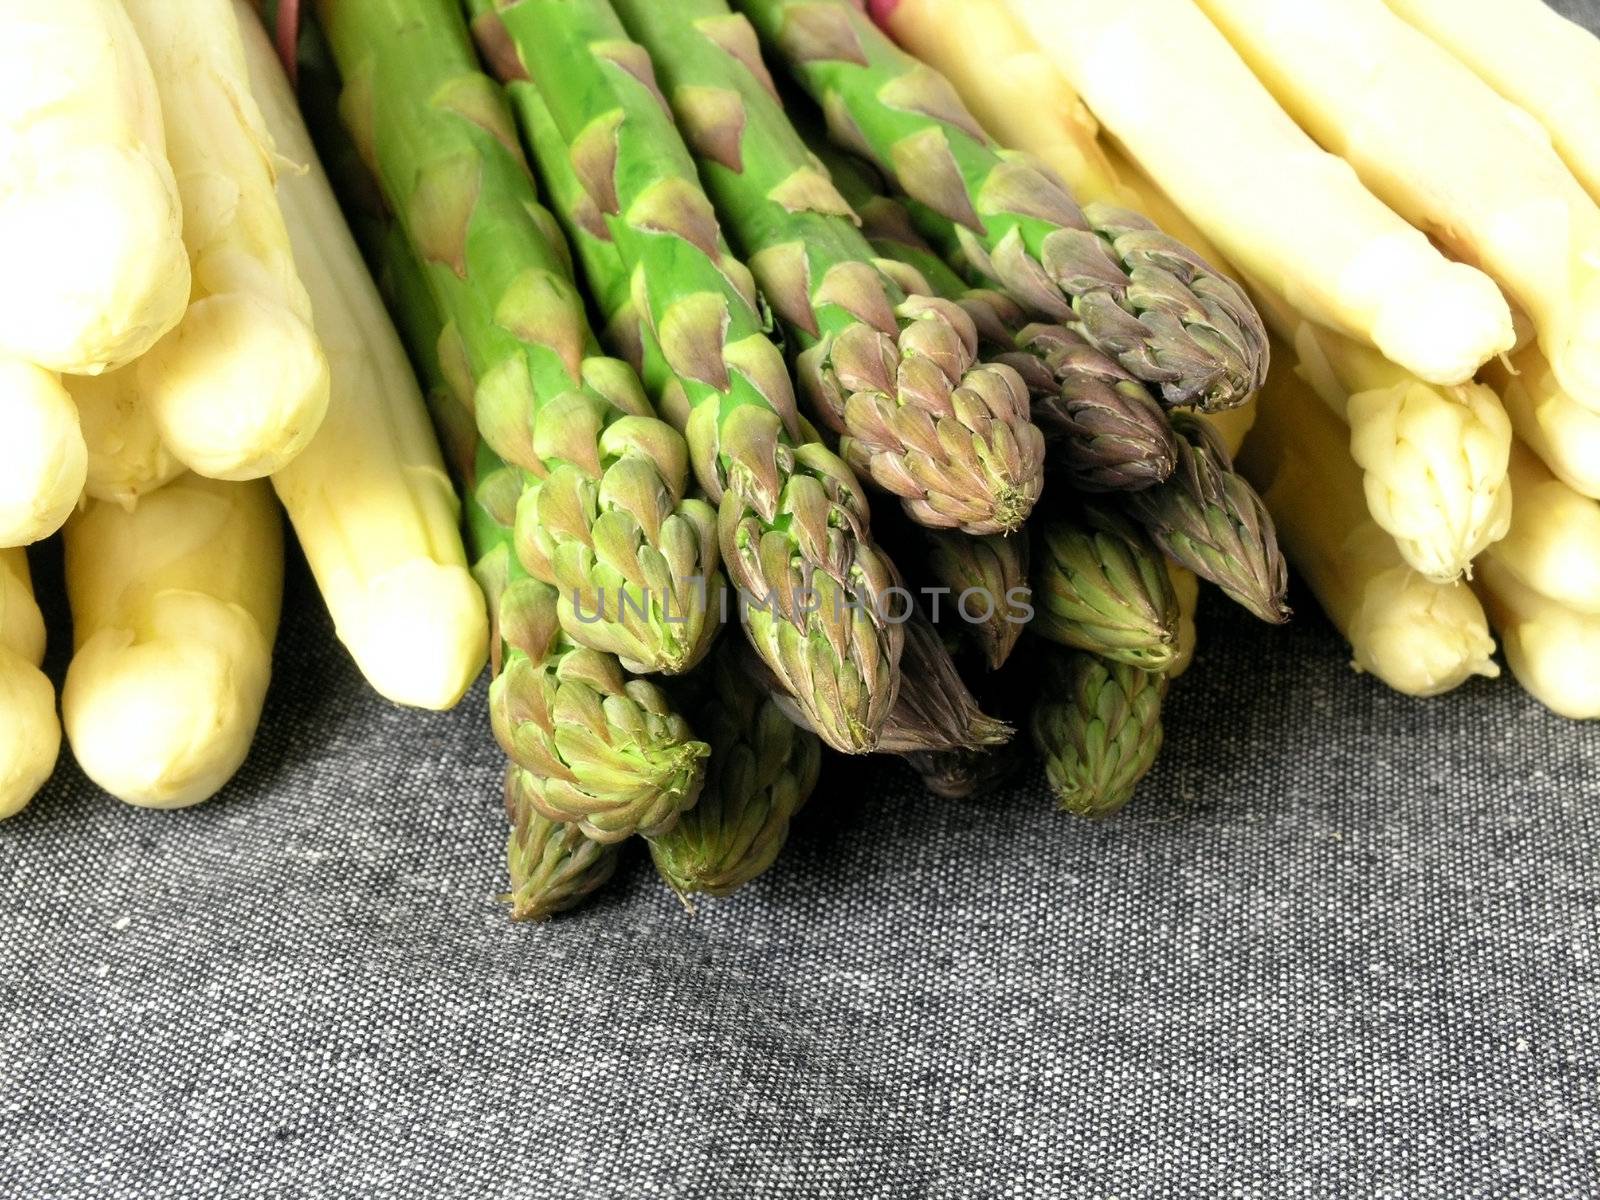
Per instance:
x=30, y=734
x=1553, y=651
x=127, y=458
x=43, y=460
x=1562, y=432
x=1445, y=151
x=369, y=498
x=1434, y=459
x=1165, y=83
x=240, y=386
x=94, y=266
x=1535, y=58
x=1554, y=543
x=1416, y=635
x=174, y=610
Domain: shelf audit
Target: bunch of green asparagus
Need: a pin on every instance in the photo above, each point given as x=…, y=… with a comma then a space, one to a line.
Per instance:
x=681, y=329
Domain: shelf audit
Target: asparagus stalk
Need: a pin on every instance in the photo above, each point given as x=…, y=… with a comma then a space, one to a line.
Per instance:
x=1103, y=586
x=174, y=609
x=794, y=523
x=1444, y=151
x=1186, y=590
x=589, y=746
x=1562, y=432
x=43, y=458
x=1433, y=458
x=241, y=385
x=604, y=514
x=1210, y=521
x=1162, y=312
x=30, y=734
x=381, y=529
x=1554, y=543
x=897, y=376
x=762, y=771
x=95, y=269
x=1107, y=431
x=1172, y=91
x=1098, y=726
x=1535, y=58
x=1416, y=635
x=1553, y=651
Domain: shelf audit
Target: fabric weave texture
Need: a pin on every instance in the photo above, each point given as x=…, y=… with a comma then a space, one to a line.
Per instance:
x=1343, y=944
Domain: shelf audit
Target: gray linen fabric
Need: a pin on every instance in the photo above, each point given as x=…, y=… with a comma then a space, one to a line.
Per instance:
x=1344, y=944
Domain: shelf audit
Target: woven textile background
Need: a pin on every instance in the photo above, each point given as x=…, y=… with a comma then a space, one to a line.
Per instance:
x=1344, y=944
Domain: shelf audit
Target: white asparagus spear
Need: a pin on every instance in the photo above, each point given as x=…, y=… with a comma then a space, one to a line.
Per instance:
x=1554, y=543
x=241, y=385
x=1535, y=58
x=1449, y=154
x=369, y=498
x=1562, y=432
x=174, y=609
x=1165, y=84
x=30, y=734
x=43, y=460
x=1553, y=651
x=94, y=267
x=1416, y=635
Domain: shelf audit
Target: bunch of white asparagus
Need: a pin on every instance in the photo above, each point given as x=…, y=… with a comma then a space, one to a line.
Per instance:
x=1411, y=191
x=183, y=317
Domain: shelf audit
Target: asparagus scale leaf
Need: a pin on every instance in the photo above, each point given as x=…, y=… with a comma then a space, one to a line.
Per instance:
x=1167, y=316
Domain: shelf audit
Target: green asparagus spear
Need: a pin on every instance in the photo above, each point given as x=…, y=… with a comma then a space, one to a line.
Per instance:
x=1098, y=726
x=602, y=513
x=591, y=746
x=1167, y=316
x=554, y=865
x=763, y=769
x=896, y=376
x=1102, y=586
x=792, y=517
x=1208, y=519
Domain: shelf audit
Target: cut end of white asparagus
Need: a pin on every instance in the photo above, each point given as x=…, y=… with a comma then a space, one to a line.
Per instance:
x=164, y=716
x=421, y=638
x=30, y=735
x=104, y=280
x=43, y=460
x=230, y=346
x=1445, y=326
x=1419, y=637
x=1435, y=463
